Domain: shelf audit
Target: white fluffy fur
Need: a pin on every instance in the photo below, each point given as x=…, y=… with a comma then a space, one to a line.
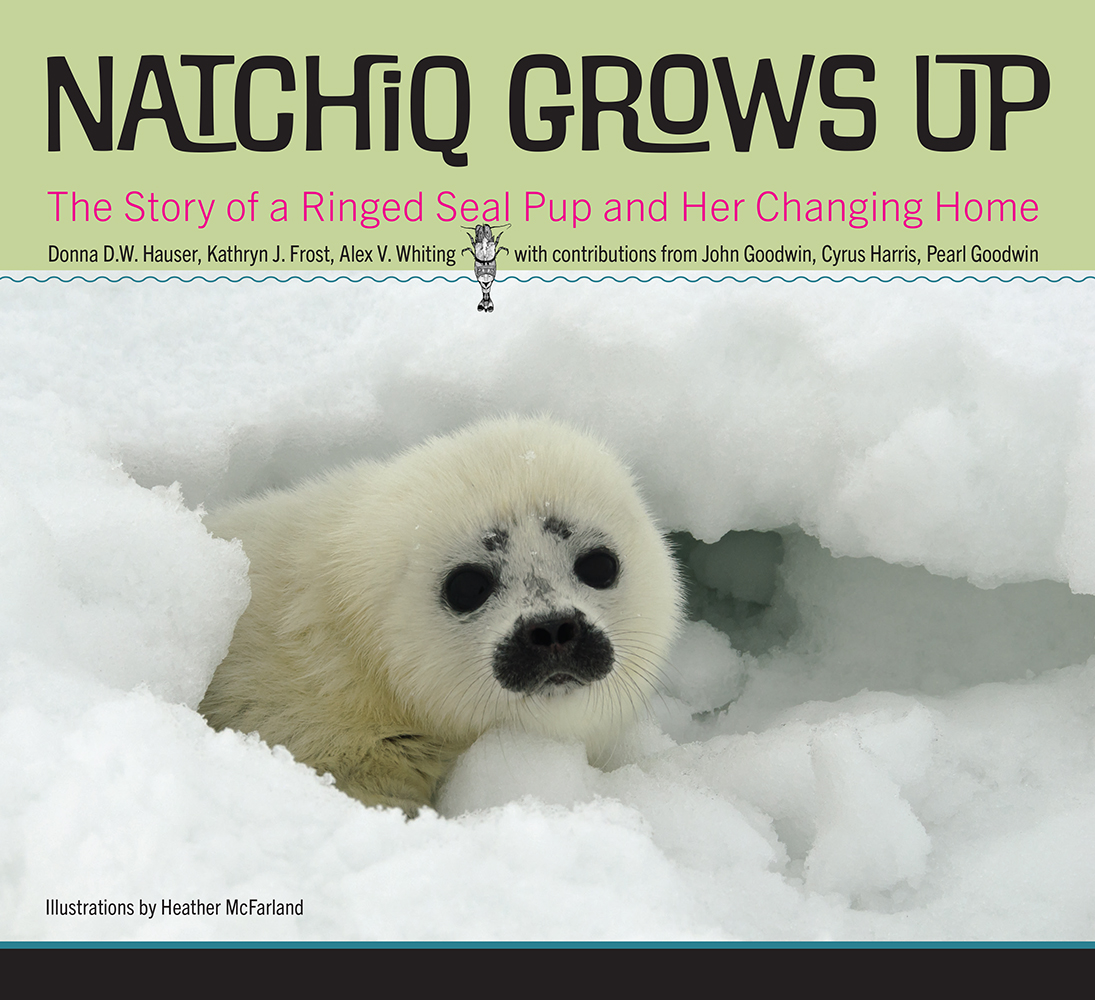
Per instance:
x=349, y=656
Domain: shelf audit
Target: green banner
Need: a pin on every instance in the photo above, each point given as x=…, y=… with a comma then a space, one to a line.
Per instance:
x=695, y=136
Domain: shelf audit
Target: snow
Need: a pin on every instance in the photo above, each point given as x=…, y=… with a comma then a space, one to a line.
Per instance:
x=879, y=725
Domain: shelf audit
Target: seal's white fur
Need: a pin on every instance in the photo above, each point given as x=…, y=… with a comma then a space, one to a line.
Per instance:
x=349, y=655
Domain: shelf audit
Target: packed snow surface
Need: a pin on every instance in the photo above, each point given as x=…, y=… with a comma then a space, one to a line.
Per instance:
x=879, y=722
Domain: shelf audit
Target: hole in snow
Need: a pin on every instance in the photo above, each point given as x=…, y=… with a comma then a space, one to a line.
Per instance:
x=818, y=626
x=735, y=585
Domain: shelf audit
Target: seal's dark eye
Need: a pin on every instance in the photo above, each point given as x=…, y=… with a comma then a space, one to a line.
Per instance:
x=467, y=588
x=597, y=569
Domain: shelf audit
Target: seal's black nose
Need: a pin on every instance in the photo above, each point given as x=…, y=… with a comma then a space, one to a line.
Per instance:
x=552, y=632
x=563, y=648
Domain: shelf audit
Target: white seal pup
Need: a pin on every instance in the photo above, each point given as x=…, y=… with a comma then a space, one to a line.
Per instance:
x=506, y=575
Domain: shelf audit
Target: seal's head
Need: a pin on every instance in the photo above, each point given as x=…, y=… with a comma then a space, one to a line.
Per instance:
x=524, y=582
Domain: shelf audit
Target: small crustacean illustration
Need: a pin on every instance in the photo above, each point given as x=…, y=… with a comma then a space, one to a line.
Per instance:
x=485, y=245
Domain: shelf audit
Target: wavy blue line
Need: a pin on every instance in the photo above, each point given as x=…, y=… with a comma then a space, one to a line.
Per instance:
x=186, y=279
x=536, y=277
x=804, y=277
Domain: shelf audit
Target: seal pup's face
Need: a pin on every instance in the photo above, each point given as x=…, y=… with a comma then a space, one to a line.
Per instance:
x=535, y=589
x=538, y=585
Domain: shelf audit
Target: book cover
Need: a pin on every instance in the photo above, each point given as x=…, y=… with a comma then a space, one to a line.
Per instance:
x=819, y=277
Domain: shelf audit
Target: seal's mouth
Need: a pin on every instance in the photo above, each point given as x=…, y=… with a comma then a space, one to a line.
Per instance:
x=560, y=683
x=563, y=678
